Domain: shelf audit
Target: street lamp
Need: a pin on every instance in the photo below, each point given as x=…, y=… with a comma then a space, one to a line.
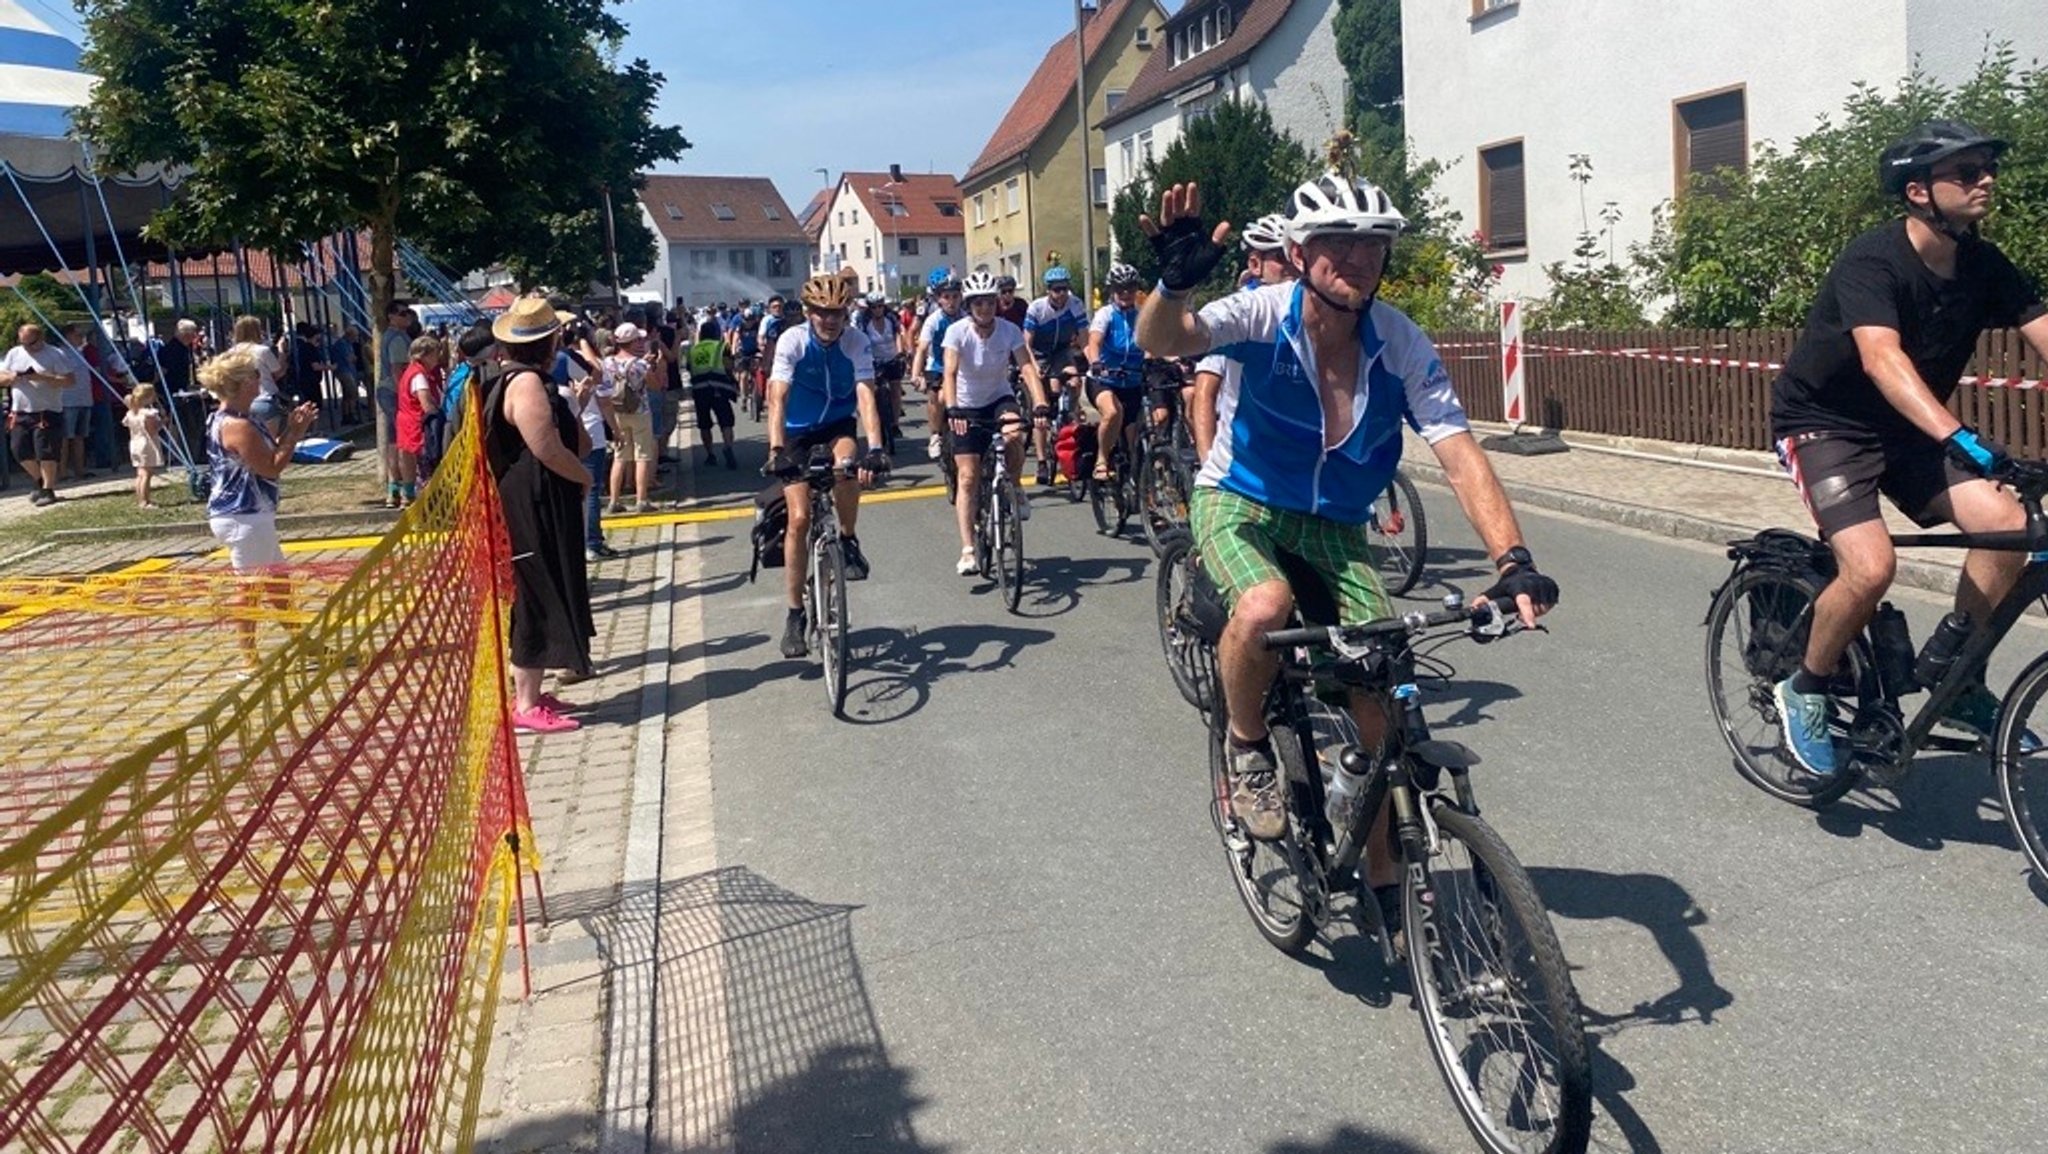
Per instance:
x=893, y=202
x=831, y=250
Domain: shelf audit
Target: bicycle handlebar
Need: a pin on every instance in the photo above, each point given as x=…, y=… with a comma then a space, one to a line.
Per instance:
x=1487, y=621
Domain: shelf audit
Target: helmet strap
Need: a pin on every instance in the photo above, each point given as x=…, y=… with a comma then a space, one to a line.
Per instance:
x=1334, y=303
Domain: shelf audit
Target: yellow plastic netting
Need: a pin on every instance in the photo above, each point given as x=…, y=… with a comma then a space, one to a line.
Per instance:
x=280, y=924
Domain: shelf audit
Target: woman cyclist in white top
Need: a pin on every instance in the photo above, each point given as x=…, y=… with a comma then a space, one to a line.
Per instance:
x=976, y=387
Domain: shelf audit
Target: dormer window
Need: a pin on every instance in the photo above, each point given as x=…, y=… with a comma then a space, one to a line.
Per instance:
x=1195, y=37
x=724, y=212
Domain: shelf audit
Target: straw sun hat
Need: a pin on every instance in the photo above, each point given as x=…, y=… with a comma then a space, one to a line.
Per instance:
x=529, y=319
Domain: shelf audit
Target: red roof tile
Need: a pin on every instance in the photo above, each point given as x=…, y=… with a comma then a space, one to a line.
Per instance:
x=1159, y=78
x=920, y=194
x=688, y=209
x=1049, y=91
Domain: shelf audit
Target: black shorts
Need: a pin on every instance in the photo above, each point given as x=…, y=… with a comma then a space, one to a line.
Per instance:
x=1131, y=400
x=976, y=440
x=822, y=437
x=889, y=372
x=712, y=402
x=37, y=436
x=1839, y=476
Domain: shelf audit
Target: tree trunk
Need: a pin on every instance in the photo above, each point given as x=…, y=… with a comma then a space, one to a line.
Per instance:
x=383, y=289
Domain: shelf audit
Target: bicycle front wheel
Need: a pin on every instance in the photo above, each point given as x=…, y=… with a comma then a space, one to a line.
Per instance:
x=2019, y=760
x=1495, y=995
x=1401, y=532
x=1756, y=636
x=1009, y=531
x=828, y=578
x=1164, y=501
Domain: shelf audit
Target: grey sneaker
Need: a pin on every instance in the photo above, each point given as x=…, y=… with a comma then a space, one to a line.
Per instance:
x=794, y=643
x=1255, y=793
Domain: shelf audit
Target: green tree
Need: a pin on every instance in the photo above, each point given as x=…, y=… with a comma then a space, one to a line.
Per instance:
x=1369, y=45
x=39, y=293
x=1590, y=291
x=1750, y=249
x=482, y=129
x=1246, y=166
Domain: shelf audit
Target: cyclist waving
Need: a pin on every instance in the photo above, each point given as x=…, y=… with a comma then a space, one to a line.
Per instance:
x=1308, y=434
x=1861, y=408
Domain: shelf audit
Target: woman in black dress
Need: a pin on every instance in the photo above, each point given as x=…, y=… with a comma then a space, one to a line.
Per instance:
x=535, y=447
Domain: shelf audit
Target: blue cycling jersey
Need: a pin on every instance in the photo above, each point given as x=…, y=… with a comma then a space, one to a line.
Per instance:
x=1121, y=355
x=935, y=327
x=823, y=379
x=1272, y=445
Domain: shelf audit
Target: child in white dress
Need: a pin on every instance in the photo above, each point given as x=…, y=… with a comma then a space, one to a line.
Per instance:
x=145, y=440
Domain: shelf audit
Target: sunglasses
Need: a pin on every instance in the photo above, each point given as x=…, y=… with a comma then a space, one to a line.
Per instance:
x=1058, y=288
x=826, y=314
x=1969, y=174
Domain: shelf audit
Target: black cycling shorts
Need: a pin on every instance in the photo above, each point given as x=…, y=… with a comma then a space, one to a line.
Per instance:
x=822, y=437
x=976, y=440
x=1132, y=400
x=889, y=372
x=1839, y=476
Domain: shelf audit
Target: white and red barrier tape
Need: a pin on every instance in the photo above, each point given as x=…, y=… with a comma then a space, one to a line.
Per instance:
x=1540, y=352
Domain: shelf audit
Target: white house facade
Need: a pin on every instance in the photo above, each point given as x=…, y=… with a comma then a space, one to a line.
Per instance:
x=893, y=232
x=1507, y=92
x=719, y=238
x=1278, y=53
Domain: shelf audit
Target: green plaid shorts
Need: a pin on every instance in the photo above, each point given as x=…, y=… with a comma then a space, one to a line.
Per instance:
x=1240, y=542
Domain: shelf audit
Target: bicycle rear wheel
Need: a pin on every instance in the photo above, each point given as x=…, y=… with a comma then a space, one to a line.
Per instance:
x=2020, y=763
x=1009, y=534
x=1756, y=636
x=1191, y=662
x=1400, y=530
x=828, y=579
x=1163, y=500
x=1263, y=871
x=1495, y=995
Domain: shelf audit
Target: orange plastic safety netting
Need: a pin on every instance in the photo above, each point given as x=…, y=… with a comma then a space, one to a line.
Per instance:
x=260, y=844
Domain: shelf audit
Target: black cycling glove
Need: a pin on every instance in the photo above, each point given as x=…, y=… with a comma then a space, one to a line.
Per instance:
x=1976, y=453
x=1523, y=579
x=876, y=462
x=1186, y=254
x=1041, y=412
x=782, y=466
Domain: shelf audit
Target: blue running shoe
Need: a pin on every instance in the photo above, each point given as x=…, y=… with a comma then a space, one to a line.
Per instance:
x=1976, y=710
x=1804, y=719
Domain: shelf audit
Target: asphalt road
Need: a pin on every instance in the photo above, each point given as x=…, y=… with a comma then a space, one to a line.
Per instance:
x=1045, y=952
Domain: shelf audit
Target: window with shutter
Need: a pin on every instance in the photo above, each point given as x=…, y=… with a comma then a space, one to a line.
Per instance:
x=1712, y=133
x=1503, y=204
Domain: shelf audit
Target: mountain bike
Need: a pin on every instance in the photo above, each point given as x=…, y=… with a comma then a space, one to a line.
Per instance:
x=1400, y=534
x=1757, y=626
x=1166, y=462
x=1115, y=500
x=998, y=526
x=1489, y=977
x=825, y=592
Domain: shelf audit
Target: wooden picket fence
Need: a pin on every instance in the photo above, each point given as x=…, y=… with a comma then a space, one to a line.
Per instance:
x=1711, y=386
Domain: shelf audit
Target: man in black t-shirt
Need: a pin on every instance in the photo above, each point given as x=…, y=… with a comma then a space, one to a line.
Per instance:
x=1862, y=408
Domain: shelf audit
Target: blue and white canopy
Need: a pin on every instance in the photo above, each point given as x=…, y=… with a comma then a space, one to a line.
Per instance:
x=40, y=81
x=45, y=171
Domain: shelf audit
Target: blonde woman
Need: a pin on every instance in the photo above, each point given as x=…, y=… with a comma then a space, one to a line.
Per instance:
x=246, y=461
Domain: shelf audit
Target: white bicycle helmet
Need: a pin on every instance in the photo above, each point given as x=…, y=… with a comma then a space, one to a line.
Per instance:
x=1330, y=204
x=978, y=284
x=1267, y=233
x=1122, y=276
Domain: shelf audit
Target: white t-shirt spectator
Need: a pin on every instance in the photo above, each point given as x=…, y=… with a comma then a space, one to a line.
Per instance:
x=37, y=397
x=268, y=367
x=984, y=373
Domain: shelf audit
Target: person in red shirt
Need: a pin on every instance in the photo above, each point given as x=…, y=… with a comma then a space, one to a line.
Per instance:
x=419, y=393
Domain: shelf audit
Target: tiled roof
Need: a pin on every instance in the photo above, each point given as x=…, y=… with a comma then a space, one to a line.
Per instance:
x=1049, y=91
x=694, y=209
x=812, y=218
x=919, y=194
x=1159, y=78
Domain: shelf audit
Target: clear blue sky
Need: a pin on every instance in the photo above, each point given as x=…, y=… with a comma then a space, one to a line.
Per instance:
x=787, y=88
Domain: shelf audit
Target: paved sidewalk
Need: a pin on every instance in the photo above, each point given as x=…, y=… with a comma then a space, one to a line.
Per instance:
x=1672, y=490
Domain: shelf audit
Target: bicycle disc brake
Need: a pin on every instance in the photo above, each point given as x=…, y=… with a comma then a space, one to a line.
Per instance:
x=1877, y=738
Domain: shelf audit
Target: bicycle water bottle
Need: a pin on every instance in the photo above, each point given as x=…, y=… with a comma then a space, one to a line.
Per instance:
x=1891, y=643
x=1347, y=790
x=1942, y=647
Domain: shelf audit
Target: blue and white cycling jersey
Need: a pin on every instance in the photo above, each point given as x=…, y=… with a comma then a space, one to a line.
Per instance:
x=1051, y=330
x=934, y=334
x=1271, y=443
x=1120, y=351
x=823, y=379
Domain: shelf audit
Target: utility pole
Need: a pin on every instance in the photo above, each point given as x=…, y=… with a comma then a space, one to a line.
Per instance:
x=611, y=249
x=1087, y=174
x=831, y=261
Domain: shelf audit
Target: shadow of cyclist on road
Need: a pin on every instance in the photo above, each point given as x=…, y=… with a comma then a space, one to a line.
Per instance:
x=1947, y=798
x=891, y=671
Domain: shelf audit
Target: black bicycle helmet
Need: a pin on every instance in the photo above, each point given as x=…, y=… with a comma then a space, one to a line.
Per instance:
x=1915, y=154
